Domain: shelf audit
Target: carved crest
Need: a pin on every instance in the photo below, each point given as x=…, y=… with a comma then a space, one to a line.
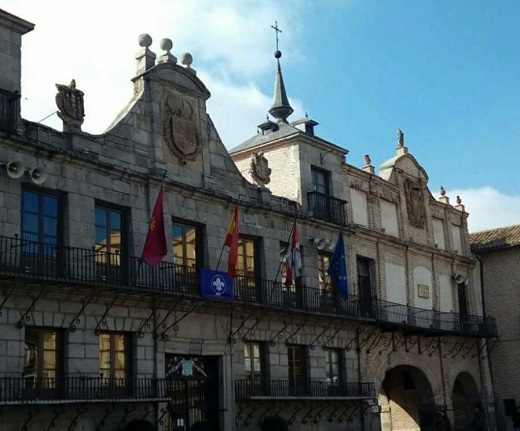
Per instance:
x=415, y=203
x=70, y=104
x=180, y=129
x=260, y=170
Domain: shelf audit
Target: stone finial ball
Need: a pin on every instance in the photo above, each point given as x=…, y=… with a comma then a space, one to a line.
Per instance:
x=186, y=59
x=277, y=54
x=145, y=40
x=166, y=44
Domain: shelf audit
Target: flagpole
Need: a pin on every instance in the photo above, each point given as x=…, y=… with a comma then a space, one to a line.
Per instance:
x=141, y=258
x=224, y=245
x=281, y=261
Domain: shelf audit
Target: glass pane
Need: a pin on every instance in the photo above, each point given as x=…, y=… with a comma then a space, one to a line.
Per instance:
x=115, y=220
x=119, y=343
x=30, y=223
x=30, y=201
x=104, y=362
x=49, y=359
x=256, y=364
x=101, y=217
x=119, y=362
x=50, y=226
x=101, y=238
x=177, y=245
x=256, y=350
x=250, y=248
x=49, y=374
x=49, y=340
x=247, y=364
x=104, y=342
x=50, y=206
x=119, y=374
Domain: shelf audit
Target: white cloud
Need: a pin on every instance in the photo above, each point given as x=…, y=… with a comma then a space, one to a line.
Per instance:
x=95, y=43
x=488, y=207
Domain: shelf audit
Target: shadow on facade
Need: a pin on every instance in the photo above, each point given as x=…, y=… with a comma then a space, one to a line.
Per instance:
x=467, y=406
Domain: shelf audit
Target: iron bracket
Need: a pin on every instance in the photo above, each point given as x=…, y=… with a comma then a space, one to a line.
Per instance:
x=387, y=345
x=345, y=412
x=329, y=339
x=239, y=329
x=147, y=411
x=317, y=416
x=354, y=338
x=57, y=413
x=365, y=340
x=128, y=410
x=103, y=320
x=84, y=302
x=470, y=348
x=164, y=412
x=264, y=414
x=356, y=408
x=481, y=349
x=279, y=335
x=162, y=323
x=146, y=323
x=309, y=414
x=26, y=316
x=30, y=415
x=251, y=330
x=452, y=351
x=109, y=409
x=299, y=327
x=437, y=346
x=297, y=410
x=333, y=415
x=411, y=345
x=74, y=421
x=316, y=340
x=6, y=297
x=186, y=311
x=375, y=342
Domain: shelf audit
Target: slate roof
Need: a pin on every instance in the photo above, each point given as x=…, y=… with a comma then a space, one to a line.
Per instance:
x=495, y=239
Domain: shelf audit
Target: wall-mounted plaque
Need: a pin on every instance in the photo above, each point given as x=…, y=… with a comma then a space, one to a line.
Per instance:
x=423, y=291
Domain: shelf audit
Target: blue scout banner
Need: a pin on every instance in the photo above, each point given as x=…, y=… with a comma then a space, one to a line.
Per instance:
x=216, y=285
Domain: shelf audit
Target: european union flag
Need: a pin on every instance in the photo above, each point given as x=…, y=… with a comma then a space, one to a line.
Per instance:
x=216, y=285
x=338, y=268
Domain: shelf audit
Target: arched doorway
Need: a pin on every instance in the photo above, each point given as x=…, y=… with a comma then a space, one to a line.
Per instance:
x=406, y=400
x=466, y=402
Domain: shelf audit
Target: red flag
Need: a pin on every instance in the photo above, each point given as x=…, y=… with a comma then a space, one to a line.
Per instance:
x=232, y=243
x=155, y=246
x=294, y=259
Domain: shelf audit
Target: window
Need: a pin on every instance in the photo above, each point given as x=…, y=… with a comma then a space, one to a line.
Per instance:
x=297, y=360
x=109, y=233
x=325, y=282
x=333, y=361
x=246, y=263
x=184, y=244
x=364, y=269
x=42, y=360
x=40, y=223
x=254, y=361
x=114, y=360
x=320, y=181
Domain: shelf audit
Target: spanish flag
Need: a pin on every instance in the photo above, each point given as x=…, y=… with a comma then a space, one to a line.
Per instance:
x=155, y=246
x=232, y=243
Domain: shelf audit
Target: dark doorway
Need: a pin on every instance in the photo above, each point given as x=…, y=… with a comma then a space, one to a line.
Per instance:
x=365, y=285
x=192, y=384
x=297, y=370
x=463, y=303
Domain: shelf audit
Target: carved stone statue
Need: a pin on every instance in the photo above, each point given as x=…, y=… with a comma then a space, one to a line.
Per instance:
x=368, y=161
x=260, y=170
x=70, y=104
x=415, y=204
x=443, y=191
x=181, y=129
x=400, y=138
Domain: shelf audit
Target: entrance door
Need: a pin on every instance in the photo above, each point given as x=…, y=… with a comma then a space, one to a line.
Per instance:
x=365, y=286
x=297, y=370
x=192, y=385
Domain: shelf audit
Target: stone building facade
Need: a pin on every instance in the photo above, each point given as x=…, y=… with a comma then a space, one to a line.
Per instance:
x=93, y=338
x=498, y=251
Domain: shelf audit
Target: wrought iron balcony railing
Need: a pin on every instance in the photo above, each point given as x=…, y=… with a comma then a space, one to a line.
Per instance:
x=326, y=207
x=8, y=109
x=279, y=389
x=422, y=320
x=30, y=390
x=57, y=264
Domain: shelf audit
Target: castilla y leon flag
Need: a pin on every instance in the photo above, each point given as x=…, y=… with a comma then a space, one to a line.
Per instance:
x=294, y=259
x=232, y=242
x=155, y=246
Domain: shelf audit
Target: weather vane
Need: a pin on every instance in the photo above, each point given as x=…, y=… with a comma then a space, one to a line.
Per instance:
x=277, y=30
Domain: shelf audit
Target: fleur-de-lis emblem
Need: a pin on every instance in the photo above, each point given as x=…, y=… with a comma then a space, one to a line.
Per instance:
x=219, y=285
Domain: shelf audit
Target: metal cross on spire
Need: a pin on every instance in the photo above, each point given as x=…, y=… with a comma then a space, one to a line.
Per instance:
x=277, y=30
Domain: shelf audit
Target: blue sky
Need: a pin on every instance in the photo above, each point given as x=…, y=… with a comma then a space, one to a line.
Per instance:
x=444, y=71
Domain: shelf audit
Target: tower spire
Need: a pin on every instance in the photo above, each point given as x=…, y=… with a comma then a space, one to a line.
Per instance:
x=281, y=108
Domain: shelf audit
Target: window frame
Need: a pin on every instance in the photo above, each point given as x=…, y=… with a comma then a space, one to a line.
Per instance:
x=111, y=380
x=198, y=244
x=242, y=249
x=328, y=283
x=317, y=172
x=262, y=360
x=123, y=231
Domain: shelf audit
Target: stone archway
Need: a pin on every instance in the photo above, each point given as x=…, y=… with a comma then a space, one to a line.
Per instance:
x=466, y=401
x=406, y=400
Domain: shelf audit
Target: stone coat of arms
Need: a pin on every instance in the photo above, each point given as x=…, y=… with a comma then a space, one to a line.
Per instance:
x=180, y=129
x=70, y=104
x=260, y=170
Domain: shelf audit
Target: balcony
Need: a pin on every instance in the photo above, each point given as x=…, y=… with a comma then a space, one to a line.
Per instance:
x=47, y=263
x=8, y=109
x=32, y=390
x=393, y=316
x=314, y=389
x=327, y=208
